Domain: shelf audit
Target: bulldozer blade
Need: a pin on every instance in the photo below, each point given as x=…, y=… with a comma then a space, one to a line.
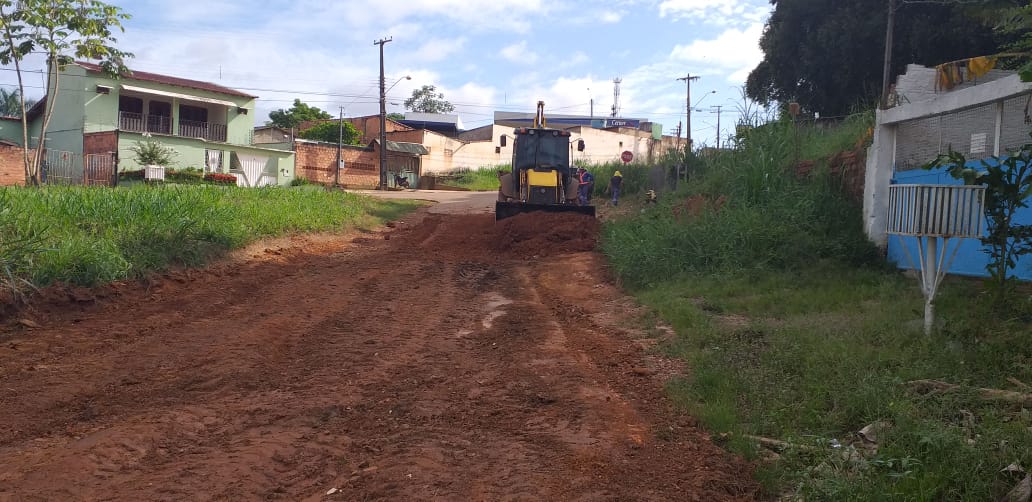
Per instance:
x=505, y=210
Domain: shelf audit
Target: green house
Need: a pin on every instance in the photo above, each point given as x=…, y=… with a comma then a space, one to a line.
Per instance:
x=97, y=120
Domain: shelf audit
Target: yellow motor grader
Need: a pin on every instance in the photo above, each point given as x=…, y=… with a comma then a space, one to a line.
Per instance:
x=542, y=178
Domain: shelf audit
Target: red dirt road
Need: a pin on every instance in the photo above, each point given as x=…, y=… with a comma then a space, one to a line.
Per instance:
x=434, y=364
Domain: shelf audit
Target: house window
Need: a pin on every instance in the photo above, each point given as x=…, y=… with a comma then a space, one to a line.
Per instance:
x=193, y=113
x=130, y=104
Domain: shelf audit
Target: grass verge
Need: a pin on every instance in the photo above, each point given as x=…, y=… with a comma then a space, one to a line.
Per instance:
x=797, y=331
x=813, y=356
x=87, y=236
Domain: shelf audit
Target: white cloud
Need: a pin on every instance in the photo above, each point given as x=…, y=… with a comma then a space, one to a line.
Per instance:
x=519, y=53
x=437, y=49
x=734, y=50
x=611, y=17
x=716, y=12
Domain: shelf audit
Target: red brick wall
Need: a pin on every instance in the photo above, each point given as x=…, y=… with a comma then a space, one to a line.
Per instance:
x=100, y=142
x=315, y=163
x=12, y=165
x=413, y=136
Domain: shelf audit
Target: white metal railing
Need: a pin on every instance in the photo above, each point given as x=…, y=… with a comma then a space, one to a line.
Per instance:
x=206, y=130
x=139, y=122
x=930, y=214
x=936, y=210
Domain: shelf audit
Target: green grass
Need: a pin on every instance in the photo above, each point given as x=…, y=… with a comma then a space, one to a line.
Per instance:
x=795, y=329
x=88, y=236
x=483, y=179
x=819, y=353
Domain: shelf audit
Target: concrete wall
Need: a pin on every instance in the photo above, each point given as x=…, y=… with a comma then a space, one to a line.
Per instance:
x=64, y=132
x=886, y=166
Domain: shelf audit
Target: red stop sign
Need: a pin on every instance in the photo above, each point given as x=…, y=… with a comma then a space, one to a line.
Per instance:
x=626, y=156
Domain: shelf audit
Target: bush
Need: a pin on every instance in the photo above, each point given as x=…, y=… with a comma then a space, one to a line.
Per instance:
x=221, y=178
x=765, y=218
x=151, y=152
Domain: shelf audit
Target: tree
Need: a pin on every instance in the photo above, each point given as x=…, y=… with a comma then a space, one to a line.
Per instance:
x=426, y=99
x=825, y=55
x=10, y=103
x=61, y=30
x=300, y=112
x=330, y=132
x=396, y=116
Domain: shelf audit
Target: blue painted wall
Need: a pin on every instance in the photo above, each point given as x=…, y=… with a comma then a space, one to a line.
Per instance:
x=971, y=259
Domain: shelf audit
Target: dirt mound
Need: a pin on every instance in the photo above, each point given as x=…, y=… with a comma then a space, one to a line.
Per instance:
x=546, y=234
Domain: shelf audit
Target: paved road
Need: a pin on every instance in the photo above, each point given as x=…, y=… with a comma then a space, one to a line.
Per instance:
x=447, y=201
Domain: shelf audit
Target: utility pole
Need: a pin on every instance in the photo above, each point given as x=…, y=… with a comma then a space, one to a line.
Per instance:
x=679, y=124
x=340, y=141
x=383, y=117
x=687, y=122
x=887, y=63
x=688, y=79
x=718, y=107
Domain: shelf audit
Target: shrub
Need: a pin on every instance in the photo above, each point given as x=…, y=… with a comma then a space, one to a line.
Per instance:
x=150, y=152
x=220, y=178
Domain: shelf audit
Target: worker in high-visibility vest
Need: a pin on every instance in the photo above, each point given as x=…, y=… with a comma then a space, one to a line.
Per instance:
x=585, y=181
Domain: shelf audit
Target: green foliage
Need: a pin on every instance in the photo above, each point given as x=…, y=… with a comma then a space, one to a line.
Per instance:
x=745, y=210
x=635, y=177
x=299, y=112
x=828, y=56
x=152, y=153
x=426, y=99
x=1008, y=183
x=331, y=132
x=815, y=355
x=11, y=103
x=87, y=236
x=396, y=116
x=481, y=179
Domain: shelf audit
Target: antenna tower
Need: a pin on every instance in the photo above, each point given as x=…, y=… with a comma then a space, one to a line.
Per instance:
x=616, y=96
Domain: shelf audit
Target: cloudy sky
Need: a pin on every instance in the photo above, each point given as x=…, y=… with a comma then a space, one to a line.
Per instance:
x=484, y=55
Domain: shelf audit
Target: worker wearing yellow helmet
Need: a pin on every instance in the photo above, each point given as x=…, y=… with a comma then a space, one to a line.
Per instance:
x=615, y=183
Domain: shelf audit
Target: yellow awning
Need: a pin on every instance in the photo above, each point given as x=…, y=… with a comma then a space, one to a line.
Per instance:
x=187, y=97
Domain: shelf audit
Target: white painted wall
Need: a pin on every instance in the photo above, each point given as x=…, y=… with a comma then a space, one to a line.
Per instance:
x=881, y=156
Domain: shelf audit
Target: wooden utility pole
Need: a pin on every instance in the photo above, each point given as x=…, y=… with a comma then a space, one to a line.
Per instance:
x=687, y=119
x=383, y=117
x=340, y=141
x=718, y=107
x=688, y=105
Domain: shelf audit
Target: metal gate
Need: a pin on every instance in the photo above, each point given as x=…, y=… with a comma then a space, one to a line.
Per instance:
x=100, y=170
x=68, y=168
x=61, y=168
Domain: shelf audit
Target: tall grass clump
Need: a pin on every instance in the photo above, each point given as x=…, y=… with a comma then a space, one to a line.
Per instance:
x=744, y=209
x=635, y=177
x=796, y=330
x=479, y=179
x=87, y=236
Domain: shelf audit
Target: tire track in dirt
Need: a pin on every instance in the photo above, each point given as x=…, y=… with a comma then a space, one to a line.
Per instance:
x=430, y=366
